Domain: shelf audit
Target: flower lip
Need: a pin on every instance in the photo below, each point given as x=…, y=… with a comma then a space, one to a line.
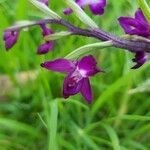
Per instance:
x=82, y=72
x=72, y=84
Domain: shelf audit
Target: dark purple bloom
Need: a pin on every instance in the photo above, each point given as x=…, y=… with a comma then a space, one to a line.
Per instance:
x=96, y=6
x=10, y=38
x=45, y=48
x=140, y=59
x=137, y=25
x=48, y=45
x=67, y=11
x=78, y=73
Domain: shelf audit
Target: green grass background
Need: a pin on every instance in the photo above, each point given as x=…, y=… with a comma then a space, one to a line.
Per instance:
x=33, y=116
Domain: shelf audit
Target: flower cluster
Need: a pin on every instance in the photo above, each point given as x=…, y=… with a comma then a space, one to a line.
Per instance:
x=80, y=70
x=11, y=36
x=136, y=26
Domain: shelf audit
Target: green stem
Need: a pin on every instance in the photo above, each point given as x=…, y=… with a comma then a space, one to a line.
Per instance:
x=81, y=14
x=145, y=9
x=58, y=35
x=87, y=48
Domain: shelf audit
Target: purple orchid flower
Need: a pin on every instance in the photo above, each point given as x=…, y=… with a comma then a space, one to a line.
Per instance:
x=137, y=26
x=96, y=6
x=10, y=38
x=78, y=73
x=48, y=45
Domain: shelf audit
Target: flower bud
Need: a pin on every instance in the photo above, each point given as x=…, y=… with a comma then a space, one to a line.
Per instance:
x=10, y=38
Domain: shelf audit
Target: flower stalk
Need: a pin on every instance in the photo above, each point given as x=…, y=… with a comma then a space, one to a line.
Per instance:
x=118, y=42
x=41, y=6
x=81, y=14
x=58, y=35
x=88, y=48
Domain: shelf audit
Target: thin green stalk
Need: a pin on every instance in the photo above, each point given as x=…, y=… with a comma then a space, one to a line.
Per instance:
x=145, y=8
x=87, y=48
x=53, y=125
x=81, y=14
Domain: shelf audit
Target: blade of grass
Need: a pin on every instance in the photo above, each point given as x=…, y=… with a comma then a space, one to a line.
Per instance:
x=19, y=126
x=113, y=136
x=53, y=125
x=109, y=92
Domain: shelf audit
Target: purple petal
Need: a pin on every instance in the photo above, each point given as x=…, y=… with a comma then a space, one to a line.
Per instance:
x=140, y=16
x=86, y=90
x=87, y=66
x=9, y=43
x=140, y=59
x=98, y=8
x=59, y=65
x=67, y=11
x=7, y=34
x=45, y=48
x=46, y=31
x=135, y=26
x=82, y=3
x=129, y=25
x=71, y=86
x=10, y=38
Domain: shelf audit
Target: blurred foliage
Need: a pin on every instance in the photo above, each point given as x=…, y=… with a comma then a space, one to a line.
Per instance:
x=34, y=116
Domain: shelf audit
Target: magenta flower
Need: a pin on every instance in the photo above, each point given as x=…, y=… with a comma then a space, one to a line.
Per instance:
x=48, y=45
x=78, y=73
x=10, y=38
x=140, y=59
x=96, y=6
x=136, y=26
